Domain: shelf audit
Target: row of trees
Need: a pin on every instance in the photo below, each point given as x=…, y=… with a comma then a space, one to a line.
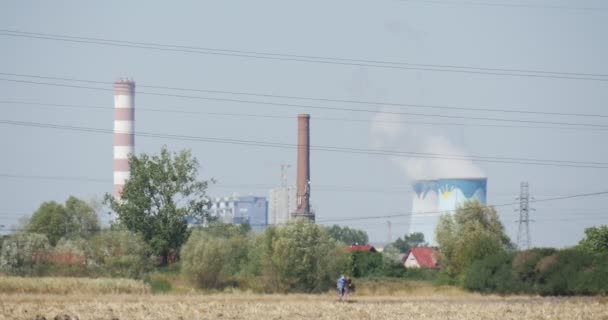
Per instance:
x=476, y=253
x=110, y=253
x=297, y=257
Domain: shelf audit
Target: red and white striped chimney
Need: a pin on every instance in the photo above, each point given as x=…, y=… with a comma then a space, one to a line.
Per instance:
x=124, y=124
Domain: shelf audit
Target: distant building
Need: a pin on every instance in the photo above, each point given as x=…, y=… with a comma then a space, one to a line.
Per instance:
x=250, y=210
x=281, y=203
x=423, y=257
x=366, y=248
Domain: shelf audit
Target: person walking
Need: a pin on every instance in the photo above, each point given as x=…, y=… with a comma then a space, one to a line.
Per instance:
x=341, y=287
x=349, y=288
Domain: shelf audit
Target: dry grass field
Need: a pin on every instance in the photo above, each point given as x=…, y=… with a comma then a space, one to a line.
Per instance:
x=416, y=301
x=318, y=307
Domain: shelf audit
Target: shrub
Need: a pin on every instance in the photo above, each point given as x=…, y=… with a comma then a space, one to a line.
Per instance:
x=299, y=256
x=69, y=258
x=24, y=254
x=365, y=264
x=158, y=282
x=213, y=261
x=118, y=253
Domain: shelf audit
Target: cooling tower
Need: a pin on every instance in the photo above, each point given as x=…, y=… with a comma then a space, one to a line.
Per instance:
x=454, y=192
x=435, y=197
x=424, y=208
x=124, y=140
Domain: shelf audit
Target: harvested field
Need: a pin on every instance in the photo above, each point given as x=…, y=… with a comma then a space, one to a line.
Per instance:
x=58, y=285
x=319, y=307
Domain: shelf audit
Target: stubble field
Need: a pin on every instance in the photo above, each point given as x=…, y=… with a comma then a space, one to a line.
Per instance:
x=319, y=307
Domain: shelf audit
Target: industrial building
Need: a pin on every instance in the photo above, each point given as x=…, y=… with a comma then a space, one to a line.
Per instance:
x=235, y=209
x=435, y=197
x=281, y=203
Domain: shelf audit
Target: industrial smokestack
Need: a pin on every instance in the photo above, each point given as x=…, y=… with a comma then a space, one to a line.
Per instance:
x=303, y=182
x=124, y=140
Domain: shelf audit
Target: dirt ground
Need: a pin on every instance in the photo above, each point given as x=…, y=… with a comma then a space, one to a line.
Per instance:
x=318, y=307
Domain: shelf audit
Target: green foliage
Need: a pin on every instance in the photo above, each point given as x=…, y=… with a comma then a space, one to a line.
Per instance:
x=24, y=254
x=161, y=192
x=492, y=274
x=365, y=264
x=540, y=271
x=118, y=253
x=213, y=257
x=595, y=240
x=472, y=233
x=299, y=256
x=75, y=219
x=412, y=240
x=347, y=235
x=69, y=258
x=158, y=282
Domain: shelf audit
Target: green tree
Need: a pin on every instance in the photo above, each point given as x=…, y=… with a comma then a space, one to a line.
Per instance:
x=215, y=259
x=411, y=240
x=595, y=240
x=54, y=220
x=347, y=235
x=473, y=232
x=161, y=192
x=118, y=253
x=24, y=253
x=299, y=256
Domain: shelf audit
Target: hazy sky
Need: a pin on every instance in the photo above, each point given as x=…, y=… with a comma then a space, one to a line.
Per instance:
x=343, y=185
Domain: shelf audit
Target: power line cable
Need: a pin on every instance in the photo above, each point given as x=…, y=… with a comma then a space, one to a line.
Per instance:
x=321, y=118
x=407, y=154
x=301, y=106
x=504, y=5
x=313, y=59
x=431, y=213
x=350, y=101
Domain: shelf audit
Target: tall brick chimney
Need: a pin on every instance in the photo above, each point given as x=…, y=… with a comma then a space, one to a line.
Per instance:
x=303, y=180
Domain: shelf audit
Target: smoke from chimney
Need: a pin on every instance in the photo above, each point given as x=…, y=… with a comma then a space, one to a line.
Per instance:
x=389, y=132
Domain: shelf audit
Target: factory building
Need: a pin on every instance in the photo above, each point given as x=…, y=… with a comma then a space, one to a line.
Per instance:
x=241, y=210
x=281, y=203
x=435, y=197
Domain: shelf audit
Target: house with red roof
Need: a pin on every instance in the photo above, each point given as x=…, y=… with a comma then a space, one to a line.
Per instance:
x=423, y=257
x=365, y=248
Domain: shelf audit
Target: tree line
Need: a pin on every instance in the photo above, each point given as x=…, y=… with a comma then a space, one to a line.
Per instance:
x=163, y=194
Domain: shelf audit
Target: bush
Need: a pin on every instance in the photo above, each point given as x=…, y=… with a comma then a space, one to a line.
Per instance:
x=365, y=264
x=158, y=282
x=118, y=253
x=24, y=254
x=540, y=271
x=299, y=256
x=69, y=258
x=214, y=260
x=492, y=274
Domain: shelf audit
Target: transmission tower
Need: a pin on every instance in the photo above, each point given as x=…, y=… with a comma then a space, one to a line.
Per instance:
x=523, y=233
x=284, y=168
x=390, y=237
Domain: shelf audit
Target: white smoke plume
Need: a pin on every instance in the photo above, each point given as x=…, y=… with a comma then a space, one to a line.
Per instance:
x=389, y=132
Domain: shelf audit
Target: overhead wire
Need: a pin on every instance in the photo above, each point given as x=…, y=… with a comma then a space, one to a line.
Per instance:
x=505, y=5
x=338, y=149
x=312, y=59
x=302, y=106
x=281, y=117
x=438, y=212
x=292, y=97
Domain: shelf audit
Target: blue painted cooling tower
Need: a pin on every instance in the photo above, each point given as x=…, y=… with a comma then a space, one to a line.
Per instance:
x=435, y=197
